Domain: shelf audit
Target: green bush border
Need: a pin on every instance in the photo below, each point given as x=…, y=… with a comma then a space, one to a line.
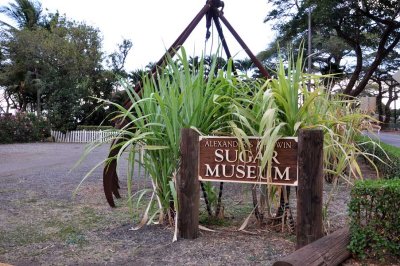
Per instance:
x=375, y=219
x=23, y=127
x=389, y=167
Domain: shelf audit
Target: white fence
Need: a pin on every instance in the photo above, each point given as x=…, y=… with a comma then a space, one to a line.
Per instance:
x=83, y=136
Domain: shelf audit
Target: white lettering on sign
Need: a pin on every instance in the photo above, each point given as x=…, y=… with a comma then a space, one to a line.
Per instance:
x=222, y=159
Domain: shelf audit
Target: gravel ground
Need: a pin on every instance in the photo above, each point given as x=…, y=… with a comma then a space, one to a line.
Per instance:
x=42, y=223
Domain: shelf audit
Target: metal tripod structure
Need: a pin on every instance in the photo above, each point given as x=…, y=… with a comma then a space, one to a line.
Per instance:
x=213, y=11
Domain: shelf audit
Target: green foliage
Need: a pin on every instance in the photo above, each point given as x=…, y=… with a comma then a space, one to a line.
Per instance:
x=366, y=30
x=211, y=192
x=23, y=128
x=375, y=219
x=215, y=101
x=59, y=61
x=183, y=98
x=180, y=98
x=387, y=157
x=335, y=115
x=288, y=106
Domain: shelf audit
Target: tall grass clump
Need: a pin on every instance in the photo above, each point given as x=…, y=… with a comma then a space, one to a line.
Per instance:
x=337, y=115
x=216, y=102
x=285, y=96
x=254, y=114
x=180, y=96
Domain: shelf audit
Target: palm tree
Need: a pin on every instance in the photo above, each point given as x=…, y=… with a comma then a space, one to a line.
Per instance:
x=244, y=65
x=26, y=13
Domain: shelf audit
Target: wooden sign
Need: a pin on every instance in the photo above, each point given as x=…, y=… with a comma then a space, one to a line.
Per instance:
x=221, y=159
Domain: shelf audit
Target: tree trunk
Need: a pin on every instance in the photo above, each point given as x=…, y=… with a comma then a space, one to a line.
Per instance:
x=386, y=122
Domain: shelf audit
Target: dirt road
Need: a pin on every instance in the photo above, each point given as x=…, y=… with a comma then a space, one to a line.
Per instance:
x=42, y=224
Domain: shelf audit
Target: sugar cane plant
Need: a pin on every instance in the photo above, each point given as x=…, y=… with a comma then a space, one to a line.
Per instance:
x=287, y=105
x=179, y=96
x=216, y=102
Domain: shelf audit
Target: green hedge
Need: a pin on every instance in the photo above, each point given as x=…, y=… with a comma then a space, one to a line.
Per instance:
x=23, y=128
x=390, y=167
x=375, y=219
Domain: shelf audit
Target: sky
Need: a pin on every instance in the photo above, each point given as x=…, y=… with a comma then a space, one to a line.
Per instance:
x=153, y=26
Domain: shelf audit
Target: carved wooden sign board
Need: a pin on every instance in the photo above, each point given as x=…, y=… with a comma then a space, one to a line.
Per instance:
x=221, y=159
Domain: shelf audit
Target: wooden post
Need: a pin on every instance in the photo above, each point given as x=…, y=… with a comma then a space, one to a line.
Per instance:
x=309, y=195
x=188, y=185
x=328, y=250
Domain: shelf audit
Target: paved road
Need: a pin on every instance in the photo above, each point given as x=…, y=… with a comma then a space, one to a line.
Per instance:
x=31, y=157
x=46, y=168
x=389, y=138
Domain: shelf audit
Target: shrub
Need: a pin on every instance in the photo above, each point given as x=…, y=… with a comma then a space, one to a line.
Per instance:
x=389, y=163
x=41, y=128
x=23, y=128
x=375, y=219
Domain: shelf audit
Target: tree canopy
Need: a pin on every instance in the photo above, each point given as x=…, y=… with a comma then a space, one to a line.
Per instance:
x=366, y=30
x=54, y=64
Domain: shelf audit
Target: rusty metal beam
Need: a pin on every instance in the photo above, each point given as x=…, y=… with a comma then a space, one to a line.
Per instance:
x=178, y=42
x=253, y=58
x=223, y=40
